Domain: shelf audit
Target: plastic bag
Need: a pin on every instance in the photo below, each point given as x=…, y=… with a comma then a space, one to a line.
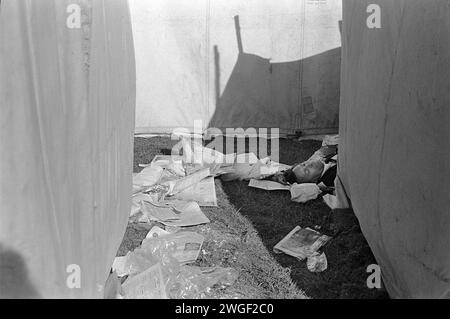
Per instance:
x=149, y=176
x=317, y=262
x=195, y=282
x=180, y=281
x=302, y=193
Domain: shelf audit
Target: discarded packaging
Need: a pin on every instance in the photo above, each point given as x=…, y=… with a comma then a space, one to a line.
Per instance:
x=204, y=193
x=175, y=213
x=317, y=262
x=242, y=170
x=170, y=250
x=157, y=269
x=146, y=285
x=149, y=176
x=185, y=246
x=172, y=163
x=181, y=184
x=119, y=266
x=157, y=232
x=194, y=282
x=268, y=185
x=165, y=160
x=157, y=193
x=301, y=243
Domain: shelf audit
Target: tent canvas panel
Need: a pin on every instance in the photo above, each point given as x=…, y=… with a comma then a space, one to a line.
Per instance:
x=394, y=139
x=67, y=98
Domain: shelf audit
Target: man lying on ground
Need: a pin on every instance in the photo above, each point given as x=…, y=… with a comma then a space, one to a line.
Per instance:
x=321, y=169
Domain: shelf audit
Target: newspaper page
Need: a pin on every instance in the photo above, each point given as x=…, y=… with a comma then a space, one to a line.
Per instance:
x=179, y=214
x=204, y=193
x=301, y=243
x=146, y=285
x=268, y=185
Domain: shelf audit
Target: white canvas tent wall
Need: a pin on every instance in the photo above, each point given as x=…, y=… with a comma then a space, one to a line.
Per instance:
x=67, y=99
x=394, y=131
x=190, y=67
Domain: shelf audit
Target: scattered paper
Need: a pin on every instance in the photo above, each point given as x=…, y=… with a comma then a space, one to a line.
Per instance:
x=119, y=266
x=164, y=161
x=177, y=214
x=185, y=245
x=157, y=232
x=204, y=193
x=171, y=163
x=146, y=285
x=260, y=169
x=156, y=193
x=149, y=176
x=181, y=184
x=136, y=210
x=301, y=243
x=268, y=185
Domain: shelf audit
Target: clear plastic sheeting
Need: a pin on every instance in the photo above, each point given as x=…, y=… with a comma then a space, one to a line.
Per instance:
x=67, y=98
x=169, y=255
x=394, y=139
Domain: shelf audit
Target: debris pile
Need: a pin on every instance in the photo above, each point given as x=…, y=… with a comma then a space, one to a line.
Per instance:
x=167, y=196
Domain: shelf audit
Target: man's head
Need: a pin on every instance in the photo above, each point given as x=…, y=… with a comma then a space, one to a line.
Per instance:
x=309, y=171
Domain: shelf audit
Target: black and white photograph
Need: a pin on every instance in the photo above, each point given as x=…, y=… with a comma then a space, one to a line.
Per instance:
x=224, y=157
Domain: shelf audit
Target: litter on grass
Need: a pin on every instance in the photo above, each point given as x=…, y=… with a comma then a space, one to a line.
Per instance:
x=204, y=193
x=157, y=232
x=301, y=243
x=170, y=192
x=184, y=246
x=178, y=185
x=317, y=262
x=174, y=213
x=148, y=284
x=268, y=185
x=149, y=176
x=302, y=193
x=157, y=269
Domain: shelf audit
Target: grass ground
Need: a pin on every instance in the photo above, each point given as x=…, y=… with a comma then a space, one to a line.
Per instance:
x=247, y=224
